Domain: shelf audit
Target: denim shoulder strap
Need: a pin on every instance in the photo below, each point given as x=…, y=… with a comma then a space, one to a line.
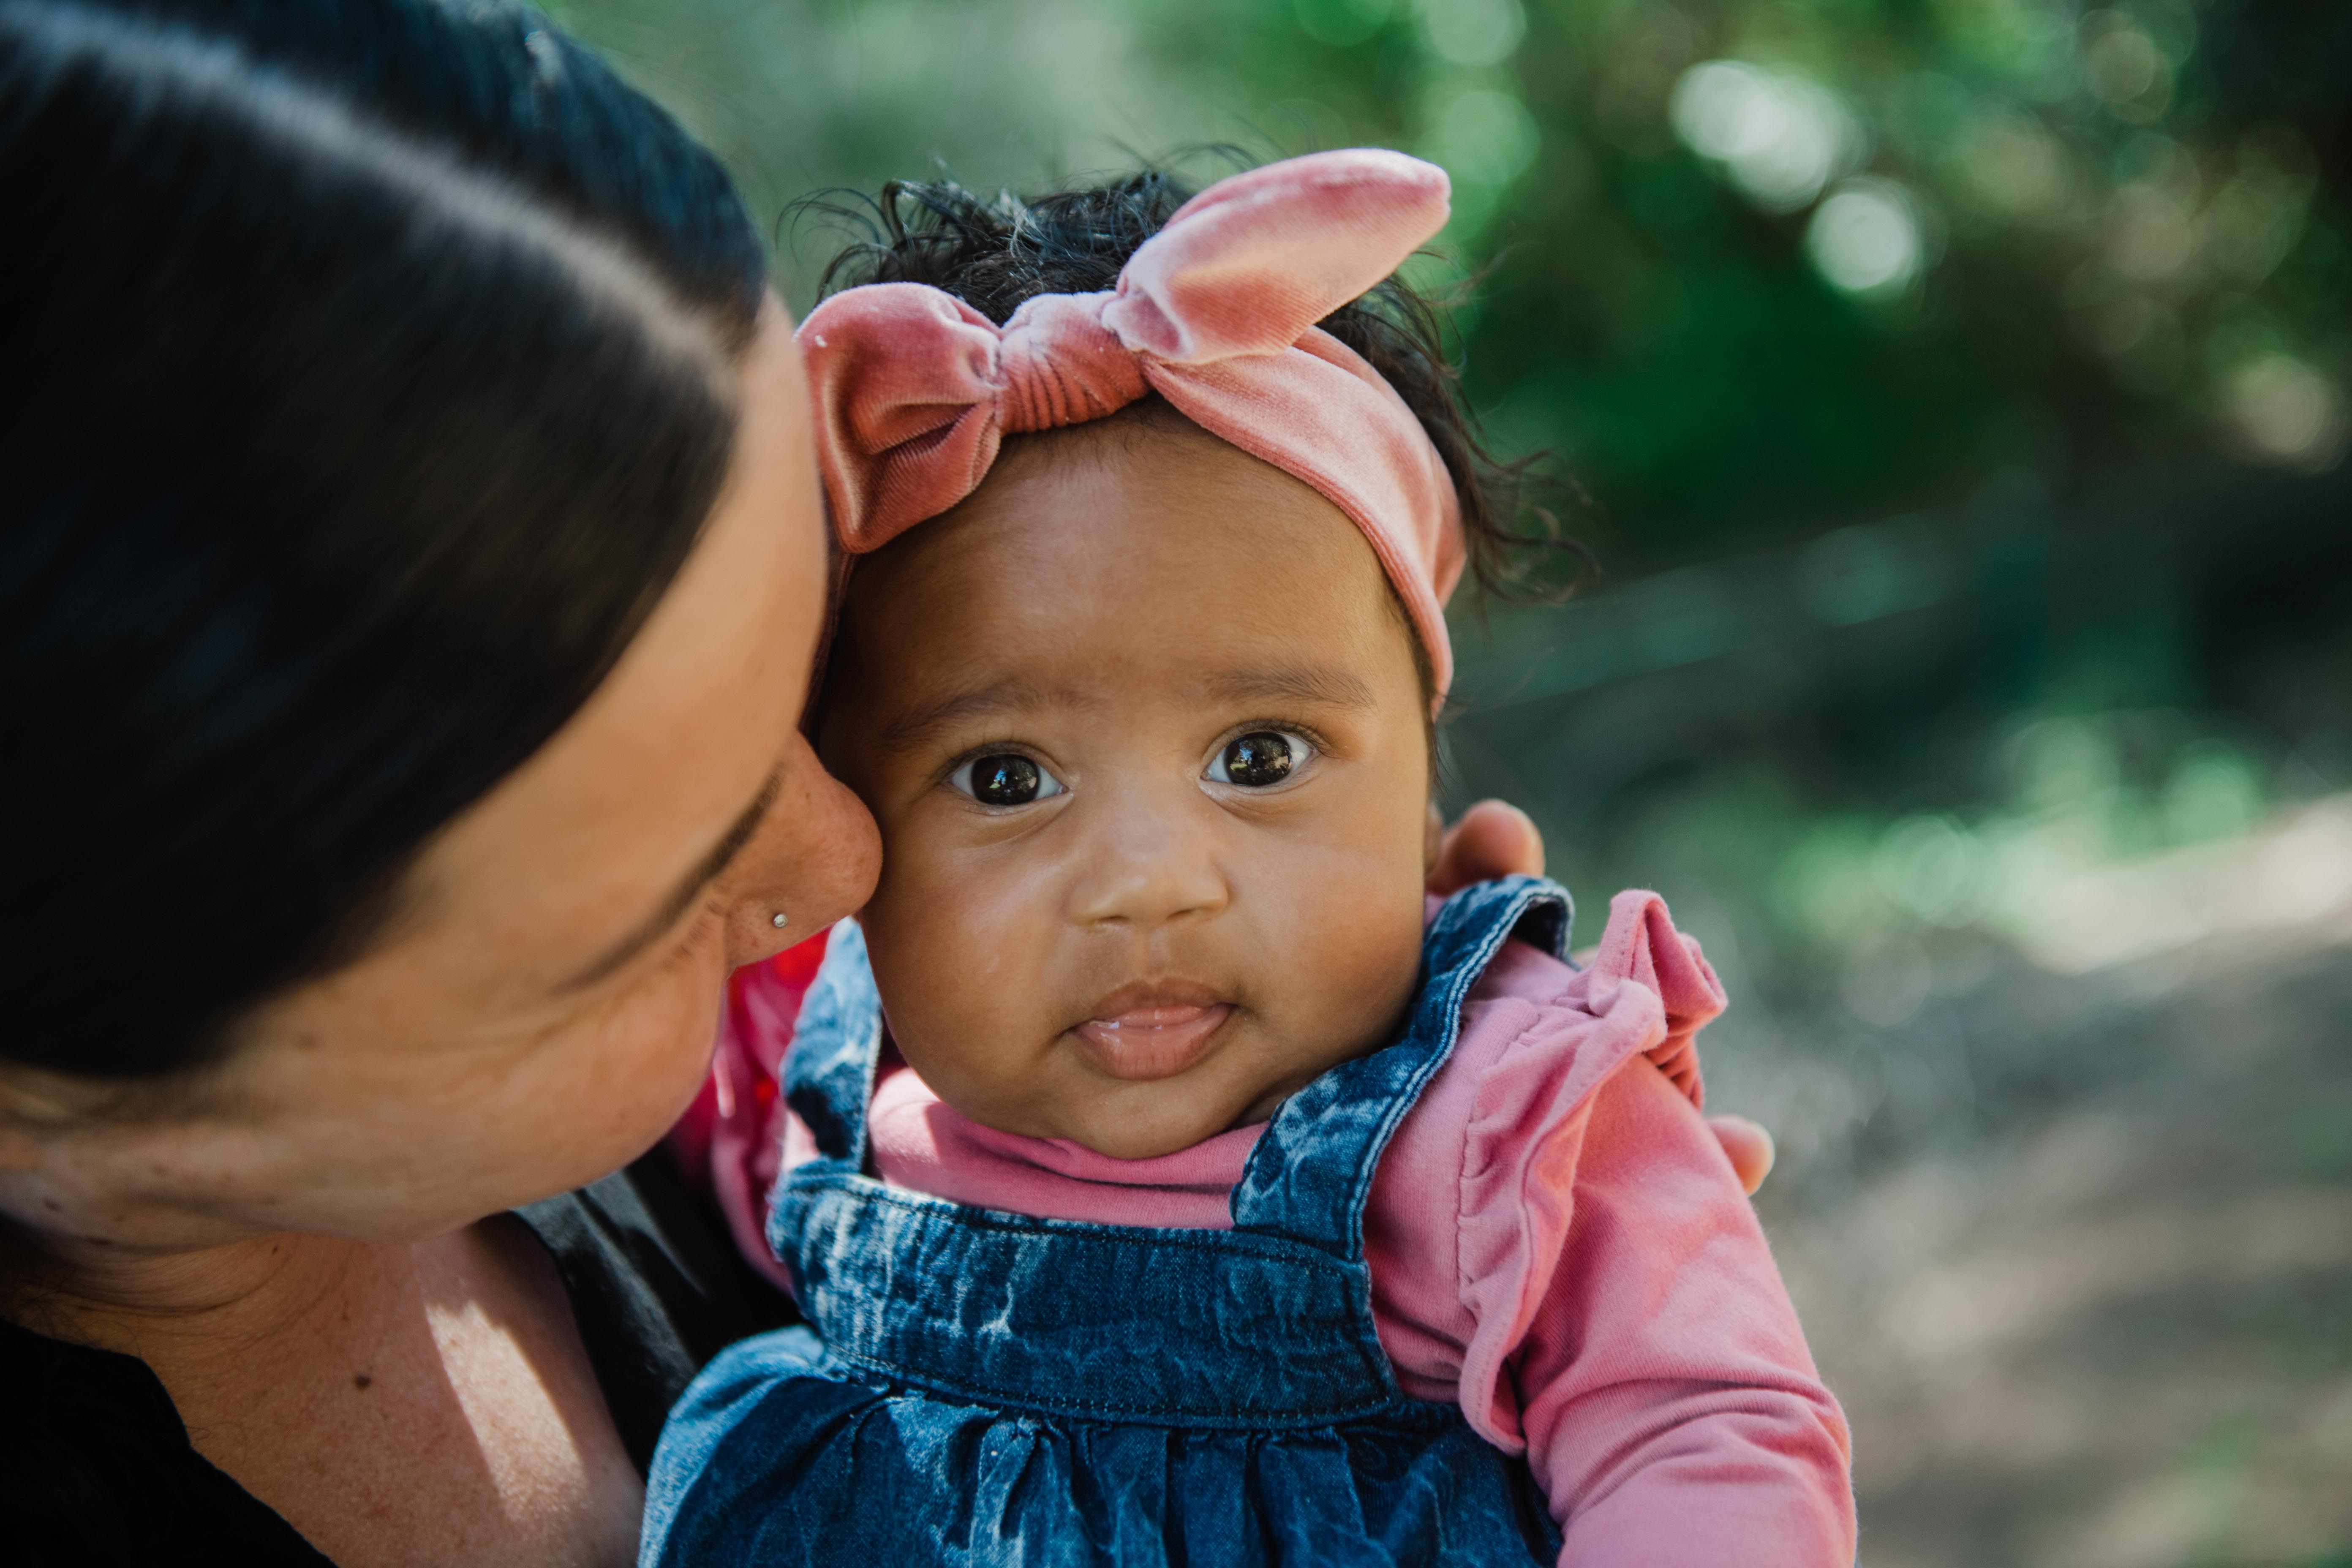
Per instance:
x=829, y=1071
x=1310, y=1174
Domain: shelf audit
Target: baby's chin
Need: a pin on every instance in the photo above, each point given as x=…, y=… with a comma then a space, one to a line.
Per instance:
x=1176, y=1119
x=1122, y=1143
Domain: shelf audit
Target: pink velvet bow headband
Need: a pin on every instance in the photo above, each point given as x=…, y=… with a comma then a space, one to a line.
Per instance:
x=915, y=390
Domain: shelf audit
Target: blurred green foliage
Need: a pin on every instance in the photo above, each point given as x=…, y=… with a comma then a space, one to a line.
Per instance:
x=1751, y=266
x=1956, y=382
x=1961, y=387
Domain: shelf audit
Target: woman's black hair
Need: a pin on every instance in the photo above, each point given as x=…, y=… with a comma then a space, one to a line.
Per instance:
x=996, y=254
x=369, y=373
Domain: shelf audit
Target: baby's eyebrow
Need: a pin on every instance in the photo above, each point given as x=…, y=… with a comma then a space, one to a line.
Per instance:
x=1322, y=684
x=911, y=731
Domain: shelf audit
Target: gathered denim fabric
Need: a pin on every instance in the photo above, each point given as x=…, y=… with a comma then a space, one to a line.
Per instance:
x=983, y=1388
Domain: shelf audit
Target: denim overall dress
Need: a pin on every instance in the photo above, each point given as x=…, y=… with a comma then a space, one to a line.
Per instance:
x=976, y=1387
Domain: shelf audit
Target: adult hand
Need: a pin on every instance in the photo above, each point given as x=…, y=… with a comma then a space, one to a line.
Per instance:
x=1495, y=839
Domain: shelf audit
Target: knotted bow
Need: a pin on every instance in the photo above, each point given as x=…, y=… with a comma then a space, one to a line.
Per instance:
x=915, y=390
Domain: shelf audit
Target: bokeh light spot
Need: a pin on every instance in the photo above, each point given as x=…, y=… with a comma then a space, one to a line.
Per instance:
x=1474, y=32
x=2288, y=412
x=1482, y=136
x=2120, y=61
x=2214, y=791
x=1779, y=136
x=1932, y=868
x=1866, y=238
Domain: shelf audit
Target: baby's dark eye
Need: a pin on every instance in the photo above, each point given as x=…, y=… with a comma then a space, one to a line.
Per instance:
x=1006, y=778
x=1261, y=759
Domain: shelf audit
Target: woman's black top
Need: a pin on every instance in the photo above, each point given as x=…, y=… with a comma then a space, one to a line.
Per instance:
x=96, y=1469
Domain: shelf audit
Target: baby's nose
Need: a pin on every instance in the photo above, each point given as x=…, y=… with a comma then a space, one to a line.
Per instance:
x=1147, y=871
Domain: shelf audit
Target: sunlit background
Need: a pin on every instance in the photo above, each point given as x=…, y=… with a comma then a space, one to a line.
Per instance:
x=1957, y=391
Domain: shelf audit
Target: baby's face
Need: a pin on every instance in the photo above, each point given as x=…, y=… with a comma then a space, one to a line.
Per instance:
x=1144, y=734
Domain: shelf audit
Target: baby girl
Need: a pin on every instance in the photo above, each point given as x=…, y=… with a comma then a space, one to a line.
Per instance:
x=1167, y=1179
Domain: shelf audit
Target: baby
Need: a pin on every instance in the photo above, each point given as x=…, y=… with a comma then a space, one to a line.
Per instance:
x=1168, y=1179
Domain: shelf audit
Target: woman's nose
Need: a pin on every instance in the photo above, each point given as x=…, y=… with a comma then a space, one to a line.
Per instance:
x=814, y=860
x=1142, y=867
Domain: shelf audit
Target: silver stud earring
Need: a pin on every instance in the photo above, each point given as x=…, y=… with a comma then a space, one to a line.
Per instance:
x=780, y=920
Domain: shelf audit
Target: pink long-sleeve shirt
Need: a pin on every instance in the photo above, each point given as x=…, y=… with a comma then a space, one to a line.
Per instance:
x=1555, y=1240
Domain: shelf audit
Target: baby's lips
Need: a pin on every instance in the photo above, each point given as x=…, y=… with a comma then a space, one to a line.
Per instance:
x=1165, y=1015
x=1154, y=1004
x=1142, y=1037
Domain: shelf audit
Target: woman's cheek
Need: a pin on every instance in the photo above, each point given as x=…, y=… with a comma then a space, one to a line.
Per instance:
x=660, y=1037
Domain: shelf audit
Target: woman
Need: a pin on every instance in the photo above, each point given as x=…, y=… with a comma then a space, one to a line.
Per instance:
x=412, y=574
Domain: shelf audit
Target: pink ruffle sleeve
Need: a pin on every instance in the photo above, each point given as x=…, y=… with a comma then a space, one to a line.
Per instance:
x=1672, y=1411
x=1557, y=1241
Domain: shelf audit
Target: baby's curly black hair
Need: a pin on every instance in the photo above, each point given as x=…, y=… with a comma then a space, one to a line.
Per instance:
x=997, y=254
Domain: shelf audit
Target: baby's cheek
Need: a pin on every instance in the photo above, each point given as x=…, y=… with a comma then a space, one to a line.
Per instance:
x=1352, y=960
x=959, y=958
